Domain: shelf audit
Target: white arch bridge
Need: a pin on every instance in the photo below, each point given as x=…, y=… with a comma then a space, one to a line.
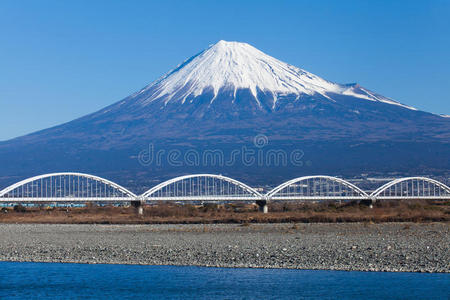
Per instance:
x=79, y=187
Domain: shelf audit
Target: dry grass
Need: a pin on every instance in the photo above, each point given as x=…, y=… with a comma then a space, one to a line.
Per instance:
x=411, y=211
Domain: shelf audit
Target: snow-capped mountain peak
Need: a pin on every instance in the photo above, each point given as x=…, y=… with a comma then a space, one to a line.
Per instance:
x=219, y=100
x=231, y=66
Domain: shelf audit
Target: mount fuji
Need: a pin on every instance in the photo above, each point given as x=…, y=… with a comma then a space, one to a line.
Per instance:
x=219, y=100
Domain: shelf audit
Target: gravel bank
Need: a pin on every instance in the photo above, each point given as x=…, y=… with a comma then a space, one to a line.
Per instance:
x=351, y=246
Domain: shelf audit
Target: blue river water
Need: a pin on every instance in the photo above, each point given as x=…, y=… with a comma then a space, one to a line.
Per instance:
x=81, y=281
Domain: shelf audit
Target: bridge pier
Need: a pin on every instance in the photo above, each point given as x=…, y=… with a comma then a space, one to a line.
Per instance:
x=139, y=206
x=368, y=202
x=262, y=204
x=372, y=201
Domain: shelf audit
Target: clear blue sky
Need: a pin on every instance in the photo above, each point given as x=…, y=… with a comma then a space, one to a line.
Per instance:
x=60, y=60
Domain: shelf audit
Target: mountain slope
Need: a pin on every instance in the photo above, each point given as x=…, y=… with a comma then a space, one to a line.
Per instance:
x=221, y=99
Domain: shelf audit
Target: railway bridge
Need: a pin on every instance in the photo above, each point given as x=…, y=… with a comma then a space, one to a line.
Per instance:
x=71, y=187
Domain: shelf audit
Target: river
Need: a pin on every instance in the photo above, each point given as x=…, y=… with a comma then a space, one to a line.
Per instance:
x=102, y=281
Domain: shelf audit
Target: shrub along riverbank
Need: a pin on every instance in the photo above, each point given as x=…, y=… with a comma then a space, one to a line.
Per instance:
x=279, y=212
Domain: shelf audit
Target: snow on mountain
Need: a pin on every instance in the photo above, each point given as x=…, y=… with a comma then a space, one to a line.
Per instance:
x=231, y=66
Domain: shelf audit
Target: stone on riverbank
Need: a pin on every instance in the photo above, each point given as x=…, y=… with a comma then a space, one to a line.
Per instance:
x=351, y=246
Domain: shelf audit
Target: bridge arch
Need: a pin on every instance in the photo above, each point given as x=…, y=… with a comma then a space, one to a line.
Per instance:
x=412, y=187
x=317, y=186
x=202, y=186
x=70, y=186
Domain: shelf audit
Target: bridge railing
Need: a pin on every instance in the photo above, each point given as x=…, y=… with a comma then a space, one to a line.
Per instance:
x=201, y=187
x=79, y=187
x=412, y=188
x=316, y=187
x=66, y=187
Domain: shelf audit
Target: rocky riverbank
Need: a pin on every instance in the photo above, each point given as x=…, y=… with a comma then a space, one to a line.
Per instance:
x=353, y=246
